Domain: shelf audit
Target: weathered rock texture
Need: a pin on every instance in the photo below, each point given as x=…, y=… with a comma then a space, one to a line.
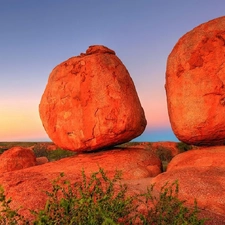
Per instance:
x=195, y=89
x=90, y=102
x=205, y=157
x=27, y=187
x=16, y=158
x=201, y=176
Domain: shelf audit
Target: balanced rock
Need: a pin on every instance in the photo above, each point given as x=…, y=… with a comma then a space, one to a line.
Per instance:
x=16, y=158
x=90, y=102
x=195, y=89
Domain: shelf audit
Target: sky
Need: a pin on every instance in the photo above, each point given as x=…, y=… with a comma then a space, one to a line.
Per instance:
x=37, y=35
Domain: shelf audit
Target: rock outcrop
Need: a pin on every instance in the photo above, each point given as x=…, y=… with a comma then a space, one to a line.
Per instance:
x=195, y=89
x=200, y=174
x=90, y=102
x=204, y=157
x=16, y=158
x=27, y=187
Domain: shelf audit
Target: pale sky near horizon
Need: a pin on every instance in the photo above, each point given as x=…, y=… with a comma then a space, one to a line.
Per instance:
x=37, y=35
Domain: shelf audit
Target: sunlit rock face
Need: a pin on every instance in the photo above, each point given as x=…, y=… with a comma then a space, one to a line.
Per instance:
x=195, y=85
x=28, y=187
x=200, y=174
x=90, y=102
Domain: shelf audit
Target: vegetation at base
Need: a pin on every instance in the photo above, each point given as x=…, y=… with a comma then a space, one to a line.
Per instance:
x=21, y=144
x=100, y=200
x=129, y=144
x=164, y=155
x=52, y=155
x=40, y=149
x=9, y=216
x=183, y=147
x=168, y=208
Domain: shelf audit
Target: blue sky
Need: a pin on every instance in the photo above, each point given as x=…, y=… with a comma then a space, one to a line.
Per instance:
x=38, y=35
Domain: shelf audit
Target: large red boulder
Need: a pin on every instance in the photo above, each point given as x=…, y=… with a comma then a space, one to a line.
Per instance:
x=16, y=158
x=90, y=102
x=195, y=89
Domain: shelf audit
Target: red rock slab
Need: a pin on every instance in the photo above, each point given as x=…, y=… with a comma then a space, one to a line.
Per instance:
x=204, y=157
x=26, y=187
x=201, y=176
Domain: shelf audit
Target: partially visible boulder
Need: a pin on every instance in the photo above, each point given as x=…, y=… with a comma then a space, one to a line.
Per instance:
x=205, y=157
x=16, y=158
x=201, y=176
x=90, y=102
x=41, y=160
x=195, y=78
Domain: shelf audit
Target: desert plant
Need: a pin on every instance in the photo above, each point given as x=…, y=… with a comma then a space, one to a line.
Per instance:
x=183, y=146
x=9, y=216
x=164, y=153
x=88, y=202
x=167, y=208
x=100, y=200
x=52, y=155
x=128, y=144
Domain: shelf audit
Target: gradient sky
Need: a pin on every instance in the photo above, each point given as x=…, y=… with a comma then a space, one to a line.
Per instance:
x=37, y=35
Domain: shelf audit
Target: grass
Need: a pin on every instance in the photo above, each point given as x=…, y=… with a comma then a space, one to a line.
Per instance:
x=100, y=200
x=183, y=147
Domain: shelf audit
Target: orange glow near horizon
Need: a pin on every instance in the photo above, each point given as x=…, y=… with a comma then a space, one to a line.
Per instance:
x=18, y=123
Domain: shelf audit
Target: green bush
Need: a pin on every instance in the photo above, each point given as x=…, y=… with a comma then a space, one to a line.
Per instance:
x=88, y=202
x=100, y=200
x=52, y=155
x=168, y=208
x=164, y=153
x=9, y=216
x=183, y=146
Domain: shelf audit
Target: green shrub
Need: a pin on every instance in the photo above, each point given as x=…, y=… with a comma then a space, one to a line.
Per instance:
x=183, y=146
x=88, y=202
x=100, y=200
x=128, y=144
x=8, y=215
x=168, y=208
x=164, y=153
x=52, y=155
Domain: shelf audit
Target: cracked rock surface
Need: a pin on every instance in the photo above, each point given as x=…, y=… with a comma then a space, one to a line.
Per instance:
x=195, y=89
x=90, y=102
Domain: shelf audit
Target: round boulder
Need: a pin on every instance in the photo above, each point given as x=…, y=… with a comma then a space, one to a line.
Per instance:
x=195, y=89
x=16, y=158
x=90, y=102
